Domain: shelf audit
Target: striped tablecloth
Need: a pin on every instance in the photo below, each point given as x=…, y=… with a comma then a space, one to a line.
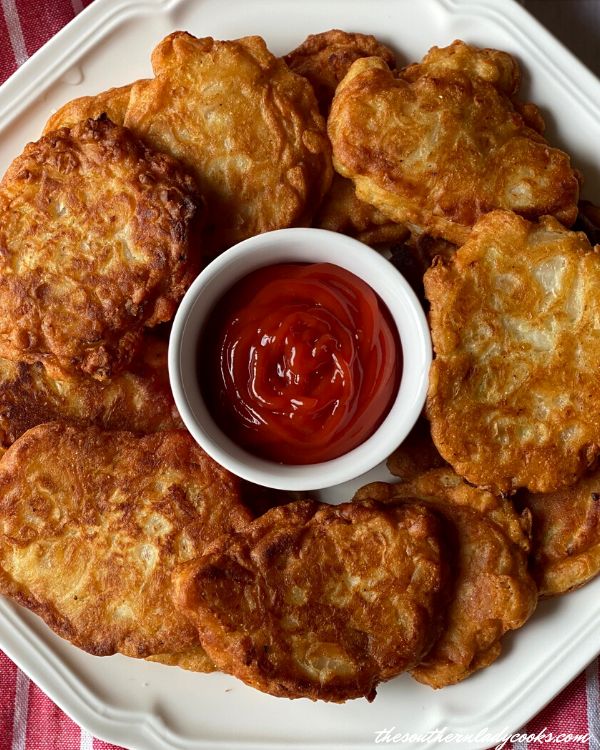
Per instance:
x=28, y=718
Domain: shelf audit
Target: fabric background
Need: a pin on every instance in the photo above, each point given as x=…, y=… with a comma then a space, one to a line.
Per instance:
x=28, y=718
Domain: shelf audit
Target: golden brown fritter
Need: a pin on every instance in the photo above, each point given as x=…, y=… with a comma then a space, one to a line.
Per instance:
x=194, y=659
x=97, y=242
x=138, y=399
x=92, y=524
x=319, y=601
x=112, y=103
x=566, y=535
x=248, y=128
x=324, y=59
x=513, y=395
x=491, y=65
x=441, y=143
x=416, y=455
x=341, y=211
x=494, y=592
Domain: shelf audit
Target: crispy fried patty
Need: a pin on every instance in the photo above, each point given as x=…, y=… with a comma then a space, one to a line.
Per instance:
x=319, y=601
x=566, y=535
x=97, y=241
x=248, y=127
x=441, y=143
x=493, y=593
x=112, y=103
x=138, y=399
x=92, y=524
x=324, y=59
x=513, y=392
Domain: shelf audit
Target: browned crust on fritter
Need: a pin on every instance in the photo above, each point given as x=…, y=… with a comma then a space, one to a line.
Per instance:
x=341, y=211
x=96, y=240
x=513, y=397
x=325, y=58
x=493, y=66
x=112, y=103
x=566, y=535
x=194, y=659
x=490, y=65
x=416, y=455
x=439, y=144
x=494, y=592
x=137, y=400
x=93, y=523
x=321, y=602
x=263, y=161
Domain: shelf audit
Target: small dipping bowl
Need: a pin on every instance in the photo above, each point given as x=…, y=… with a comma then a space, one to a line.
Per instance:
x=299, y=245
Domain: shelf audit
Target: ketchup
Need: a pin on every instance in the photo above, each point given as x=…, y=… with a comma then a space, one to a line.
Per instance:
x=303, y=362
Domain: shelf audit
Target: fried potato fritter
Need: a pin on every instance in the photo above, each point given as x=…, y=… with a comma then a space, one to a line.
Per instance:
x=319, y=601
x=566, y=535
x=494, y=592
x=194, y=659
x=324, y=59
x=441, y=143
x=342, y=211
x=248, y=127
x=96, y=234
x=113, y=103
x=513, y=394
x=491, y=65
x=416, y=455
x=137, y=400
x=93, y=523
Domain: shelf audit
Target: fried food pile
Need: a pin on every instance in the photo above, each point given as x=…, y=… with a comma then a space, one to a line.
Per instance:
x=324, y=59
x=248, y=129
x=125, y=537
x=442, y=143
x=493, y=591
x=320, y=601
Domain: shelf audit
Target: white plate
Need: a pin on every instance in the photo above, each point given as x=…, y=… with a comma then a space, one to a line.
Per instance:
x=142, y=705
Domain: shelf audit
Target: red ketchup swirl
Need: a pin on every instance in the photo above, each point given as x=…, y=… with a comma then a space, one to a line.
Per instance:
x=304, y=363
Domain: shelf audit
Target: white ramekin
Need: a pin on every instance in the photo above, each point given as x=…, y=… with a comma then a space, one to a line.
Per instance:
x=299, y=246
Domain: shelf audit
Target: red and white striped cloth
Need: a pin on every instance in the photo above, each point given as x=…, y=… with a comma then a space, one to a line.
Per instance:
x=28, y=718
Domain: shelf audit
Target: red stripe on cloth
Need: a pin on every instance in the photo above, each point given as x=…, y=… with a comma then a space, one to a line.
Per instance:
x=8, y=681
x=7, y=59
x=48, y=727
x=41, y=20
x=101, y=745
x=566, y=715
